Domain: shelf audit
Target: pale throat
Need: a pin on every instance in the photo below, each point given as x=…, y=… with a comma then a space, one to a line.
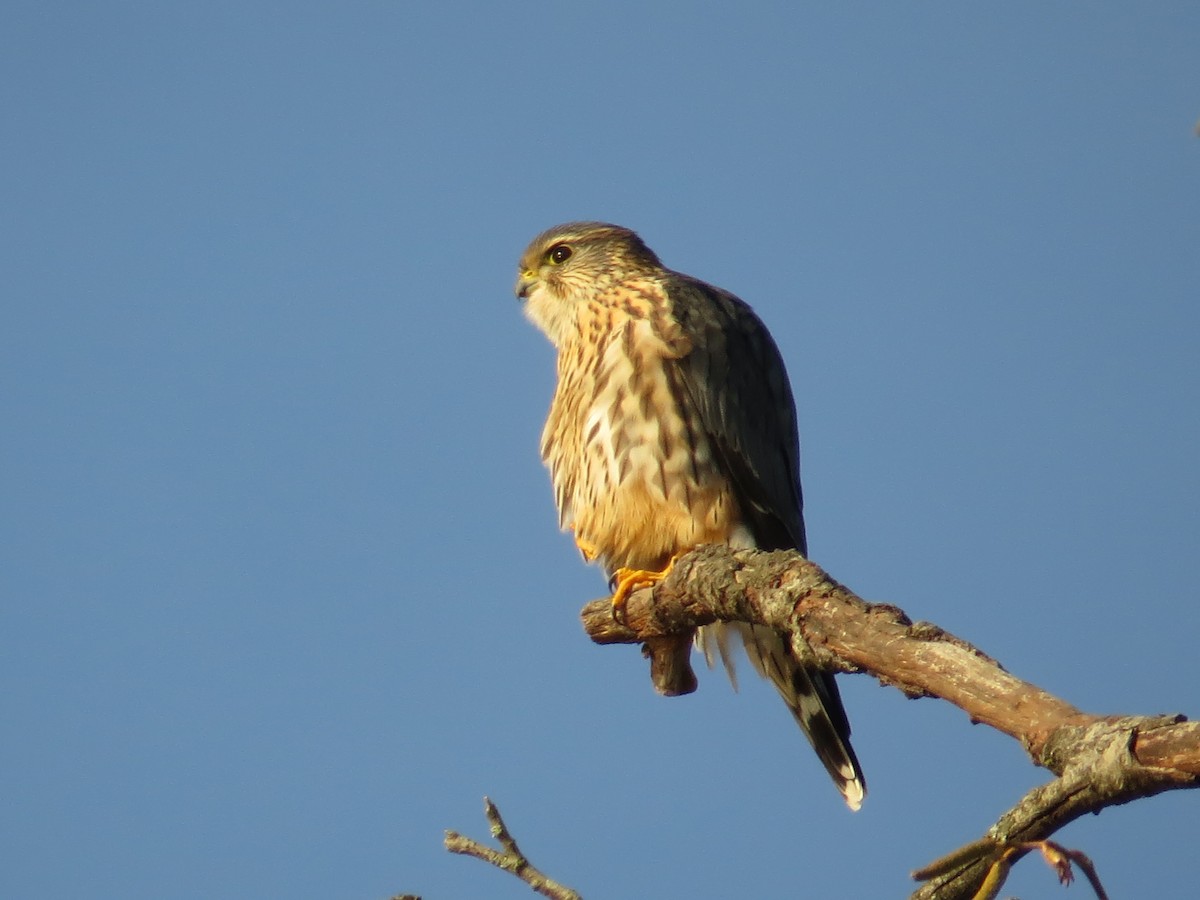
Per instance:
x=556, y=316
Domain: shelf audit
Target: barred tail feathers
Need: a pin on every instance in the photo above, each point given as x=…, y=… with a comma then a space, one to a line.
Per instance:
x=811, y=695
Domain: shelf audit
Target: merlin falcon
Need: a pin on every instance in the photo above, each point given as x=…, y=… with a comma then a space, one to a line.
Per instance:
x=673, y=425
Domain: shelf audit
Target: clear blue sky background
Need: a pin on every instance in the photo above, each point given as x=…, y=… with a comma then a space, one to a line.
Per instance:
x=283, y=593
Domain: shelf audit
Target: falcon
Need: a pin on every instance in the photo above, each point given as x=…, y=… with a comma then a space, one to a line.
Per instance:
x=673, y=425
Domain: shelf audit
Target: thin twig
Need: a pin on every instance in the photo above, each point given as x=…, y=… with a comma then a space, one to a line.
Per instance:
x=511, y=860
x=1000, y=857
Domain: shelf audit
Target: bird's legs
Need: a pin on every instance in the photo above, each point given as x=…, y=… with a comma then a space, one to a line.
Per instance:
x=626, y=581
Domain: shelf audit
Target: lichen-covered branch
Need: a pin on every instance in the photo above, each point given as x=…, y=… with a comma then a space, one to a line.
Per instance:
x=1099, y=761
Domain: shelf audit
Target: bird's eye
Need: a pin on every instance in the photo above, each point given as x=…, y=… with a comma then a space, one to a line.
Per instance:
x=558, y=254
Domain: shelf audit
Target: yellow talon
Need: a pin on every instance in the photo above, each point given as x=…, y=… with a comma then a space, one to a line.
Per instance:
x=630, y=580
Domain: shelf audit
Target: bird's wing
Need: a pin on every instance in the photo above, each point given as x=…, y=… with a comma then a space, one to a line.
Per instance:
x=733, y=382
x=730, y=378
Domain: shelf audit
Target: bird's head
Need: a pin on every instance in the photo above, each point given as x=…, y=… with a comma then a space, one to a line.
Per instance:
x=568, y=265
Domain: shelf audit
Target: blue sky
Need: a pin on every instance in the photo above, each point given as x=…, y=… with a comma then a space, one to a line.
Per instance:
x=283, y=593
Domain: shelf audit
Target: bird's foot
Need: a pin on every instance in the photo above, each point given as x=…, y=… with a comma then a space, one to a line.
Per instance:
x=629, y=580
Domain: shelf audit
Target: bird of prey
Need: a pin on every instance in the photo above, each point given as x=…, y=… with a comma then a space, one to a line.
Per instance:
x=673, y=425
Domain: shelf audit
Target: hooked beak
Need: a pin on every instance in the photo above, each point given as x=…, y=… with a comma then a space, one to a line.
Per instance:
x=525, y=283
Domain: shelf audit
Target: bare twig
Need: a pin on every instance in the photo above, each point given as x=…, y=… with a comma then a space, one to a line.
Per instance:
x=1000, y=858
x=1100, y=761
x=511, y=859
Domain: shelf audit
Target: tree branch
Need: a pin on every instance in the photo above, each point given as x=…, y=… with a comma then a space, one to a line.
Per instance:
x=1100, y=761
x=511, y=859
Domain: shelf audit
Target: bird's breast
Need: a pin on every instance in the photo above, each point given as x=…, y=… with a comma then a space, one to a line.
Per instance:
x=633, y=471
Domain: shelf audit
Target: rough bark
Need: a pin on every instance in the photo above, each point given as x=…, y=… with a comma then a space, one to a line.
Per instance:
x=1099, y=761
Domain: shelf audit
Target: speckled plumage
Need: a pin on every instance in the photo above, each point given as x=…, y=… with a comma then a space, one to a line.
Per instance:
x=673, y=425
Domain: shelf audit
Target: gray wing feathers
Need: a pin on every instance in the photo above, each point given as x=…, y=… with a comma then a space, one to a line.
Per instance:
x=734, y=378
x=736, y=384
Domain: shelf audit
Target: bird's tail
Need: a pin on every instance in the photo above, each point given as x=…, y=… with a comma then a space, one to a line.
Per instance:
x=811, y=695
